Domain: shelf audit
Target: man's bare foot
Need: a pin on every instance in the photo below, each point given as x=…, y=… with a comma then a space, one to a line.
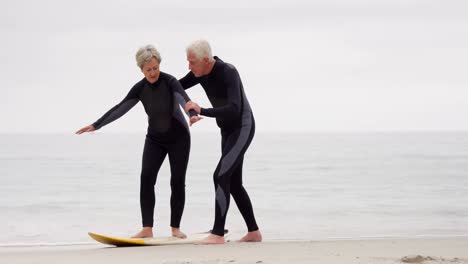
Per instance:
x=144, y=233
x=177, y=233
x=212, y=239
x=254, y=236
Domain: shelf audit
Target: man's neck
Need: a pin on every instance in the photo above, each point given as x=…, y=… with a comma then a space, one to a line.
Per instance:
x=210, y=67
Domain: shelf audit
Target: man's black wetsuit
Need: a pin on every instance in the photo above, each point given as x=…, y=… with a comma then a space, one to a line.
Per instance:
x=167, y=133
x=234, y=116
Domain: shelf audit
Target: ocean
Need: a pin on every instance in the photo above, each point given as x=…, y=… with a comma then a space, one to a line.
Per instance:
x=54, y=188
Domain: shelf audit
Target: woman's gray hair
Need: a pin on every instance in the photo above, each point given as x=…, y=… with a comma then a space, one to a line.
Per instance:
x=200, y=48
x=145, y=54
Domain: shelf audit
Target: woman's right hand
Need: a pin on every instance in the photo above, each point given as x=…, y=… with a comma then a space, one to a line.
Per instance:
x=195, y=119
x=85, y=129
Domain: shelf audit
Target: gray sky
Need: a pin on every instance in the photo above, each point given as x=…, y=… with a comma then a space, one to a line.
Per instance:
x=342, y=65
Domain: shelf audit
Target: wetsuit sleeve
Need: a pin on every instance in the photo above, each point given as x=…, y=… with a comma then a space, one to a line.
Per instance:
x=233, y=87
x=188, y=81
x=181, y=95
x=119, y=110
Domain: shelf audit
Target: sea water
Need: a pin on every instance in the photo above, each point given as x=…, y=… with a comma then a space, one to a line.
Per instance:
x=54, y=188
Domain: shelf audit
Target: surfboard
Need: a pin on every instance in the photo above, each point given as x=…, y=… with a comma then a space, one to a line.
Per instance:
x=155, y=241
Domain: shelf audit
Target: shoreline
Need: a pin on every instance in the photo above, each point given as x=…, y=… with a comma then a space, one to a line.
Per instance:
x=91, y=242
x=384, y=250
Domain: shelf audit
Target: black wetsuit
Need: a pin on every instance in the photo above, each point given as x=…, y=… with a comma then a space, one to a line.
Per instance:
x=234, y=116
x=167, y=134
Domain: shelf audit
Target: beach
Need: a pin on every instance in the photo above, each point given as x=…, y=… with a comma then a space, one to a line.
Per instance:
x=420, y=250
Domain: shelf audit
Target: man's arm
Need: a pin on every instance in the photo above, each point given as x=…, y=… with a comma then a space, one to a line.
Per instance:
x=233, y=107
x=189, y=81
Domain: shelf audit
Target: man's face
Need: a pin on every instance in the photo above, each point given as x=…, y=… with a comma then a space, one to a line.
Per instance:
x=196, y=65
x=151, y=70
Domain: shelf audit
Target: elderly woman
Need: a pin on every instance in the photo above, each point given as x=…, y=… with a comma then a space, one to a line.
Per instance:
x=167, y=134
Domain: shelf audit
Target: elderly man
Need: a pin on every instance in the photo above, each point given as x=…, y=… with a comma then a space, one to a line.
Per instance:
x=223, y=86
x=167, y=135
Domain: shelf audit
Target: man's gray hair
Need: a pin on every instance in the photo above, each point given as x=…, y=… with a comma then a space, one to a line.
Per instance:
x=145, y=54
x=200, y=48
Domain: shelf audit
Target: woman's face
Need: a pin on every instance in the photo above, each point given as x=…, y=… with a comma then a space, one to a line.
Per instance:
x=151, y=70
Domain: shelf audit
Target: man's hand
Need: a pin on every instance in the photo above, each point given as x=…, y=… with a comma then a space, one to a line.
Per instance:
x=85, y=129
x=192, y=105
x=195, y=119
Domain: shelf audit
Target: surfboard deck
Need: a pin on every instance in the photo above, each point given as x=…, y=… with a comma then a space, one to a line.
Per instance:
x=155, y=241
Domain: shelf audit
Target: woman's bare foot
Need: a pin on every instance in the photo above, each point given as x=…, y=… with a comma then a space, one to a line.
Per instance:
x=254, y=236
x=177, y=233
x=211, y=240
x=144, y=233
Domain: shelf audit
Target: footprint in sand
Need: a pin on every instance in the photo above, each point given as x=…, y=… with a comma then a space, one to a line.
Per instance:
x=415, y=259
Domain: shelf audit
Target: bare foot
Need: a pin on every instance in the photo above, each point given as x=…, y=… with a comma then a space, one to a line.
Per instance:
x=254, y=236
x=144, y=233
x=212, y=240
x=177, y=233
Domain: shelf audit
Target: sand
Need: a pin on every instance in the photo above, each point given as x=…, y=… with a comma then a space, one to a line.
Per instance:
x=424, y=250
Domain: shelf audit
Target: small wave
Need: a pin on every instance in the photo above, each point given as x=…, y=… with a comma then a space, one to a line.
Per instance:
x=45, y=244
x=358, y=238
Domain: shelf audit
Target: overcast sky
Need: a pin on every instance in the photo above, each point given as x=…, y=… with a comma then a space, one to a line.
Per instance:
x=341, y=65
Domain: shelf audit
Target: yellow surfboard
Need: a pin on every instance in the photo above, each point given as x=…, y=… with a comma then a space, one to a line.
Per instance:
x=155, y=241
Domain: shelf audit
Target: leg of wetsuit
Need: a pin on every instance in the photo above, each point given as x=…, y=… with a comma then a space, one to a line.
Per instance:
x=234, y=146
x=241, y=197
x=178, y=158
x=153, y=157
